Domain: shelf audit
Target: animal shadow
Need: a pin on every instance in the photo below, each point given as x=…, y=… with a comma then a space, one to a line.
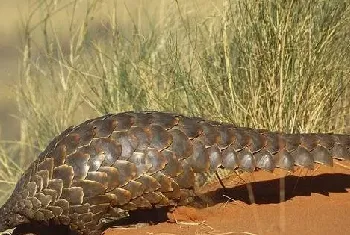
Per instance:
x=268, y=192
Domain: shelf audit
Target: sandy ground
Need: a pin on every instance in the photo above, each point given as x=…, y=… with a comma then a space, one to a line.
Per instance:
x=317, y=202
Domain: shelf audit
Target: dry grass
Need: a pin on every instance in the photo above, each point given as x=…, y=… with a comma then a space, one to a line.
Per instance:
x=279, y=65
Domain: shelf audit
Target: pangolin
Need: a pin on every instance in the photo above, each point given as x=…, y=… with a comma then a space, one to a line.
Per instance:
x=129, y=161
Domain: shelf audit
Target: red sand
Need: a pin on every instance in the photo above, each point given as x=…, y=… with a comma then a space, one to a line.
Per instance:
x=318, y=202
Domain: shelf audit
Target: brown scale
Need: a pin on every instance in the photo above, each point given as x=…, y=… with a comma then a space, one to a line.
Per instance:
x=110, y=165
x=215, y=157
x=128, y=143
x=139, y=138
x=160, y=138
x=257, y=141
x=229, y=158
x=265, y=160
x=181, y=145
x=226, y=135
x=241, y=139
x=124, y=120
x=141, y=119
x=303, y=157
x=246, y=160
x=173, y=166
x=210, y=134
x=271, y=142
x=164, y=120
x=284, y=160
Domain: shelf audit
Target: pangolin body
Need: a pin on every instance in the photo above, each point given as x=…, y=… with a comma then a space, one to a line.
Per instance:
x=117, y=163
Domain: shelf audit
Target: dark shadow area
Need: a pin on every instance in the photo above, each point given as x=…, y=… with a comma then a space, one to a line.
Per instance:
x=268, y=192
x=143, y=216
x=42, y=229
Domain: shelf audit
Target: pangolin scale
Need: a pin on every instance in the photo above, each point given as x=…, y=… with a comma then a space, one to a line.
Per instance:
x=117, y=163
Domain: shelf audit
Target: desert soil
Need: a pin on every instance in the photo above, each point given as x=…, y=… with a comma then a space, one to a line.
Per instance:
x=317, y=202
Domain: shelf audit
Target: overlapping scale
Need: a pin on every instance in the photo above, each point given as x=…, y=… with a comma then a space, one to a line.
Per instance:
x=78, y=161
x=128, y=143
x=284, y=160
x=112, y=177
x=229, y=158
x=173, y=166
x=264, y=160
x=271, y=142
x=164, y=120
x=104, y=127
x=241, y=139
x=135, y=188
x=290, y=142
x=140, y=138
x=215, y=158
x=325, y=140
x=98, y=176
x=309, y=141
x=340, y=151
x=156, y=159
x=256, y=142
x=160, y=138
x=227, y=135
x=181, y=145
x=190, y=127
x=126, y=170
x=64, y=173
x=124, y=121
x=111, y=149
x=199, y=160
x=210, y=135
x=73, y=195
x=140, y=162
x=322, y=155
x=303, y=157
x=90, y=188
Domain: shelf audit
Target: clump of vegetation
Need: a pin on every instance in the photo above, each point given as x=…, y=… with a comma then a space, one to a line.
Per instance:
x=276, y=64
